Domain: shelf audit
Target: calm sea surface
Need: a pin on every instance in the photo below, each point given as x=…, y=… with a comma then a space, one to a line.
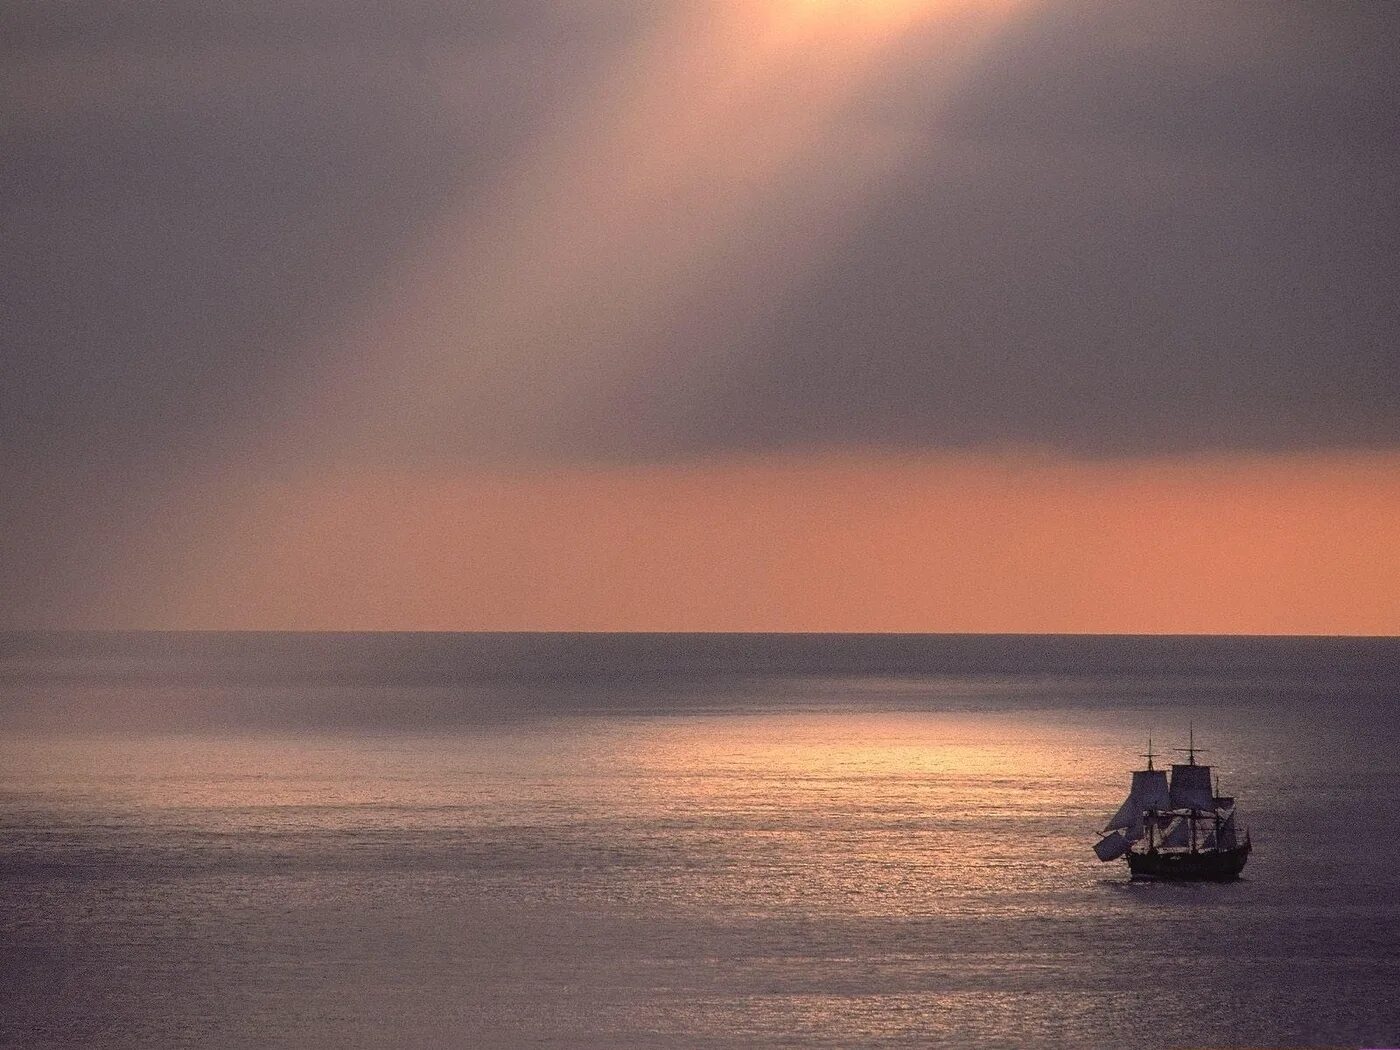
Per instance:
x=624, y=841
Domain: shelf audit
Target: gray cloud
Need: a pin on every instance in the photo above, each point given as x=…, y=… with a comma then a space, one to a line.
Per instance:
x=1133, y=231
x=189, y=189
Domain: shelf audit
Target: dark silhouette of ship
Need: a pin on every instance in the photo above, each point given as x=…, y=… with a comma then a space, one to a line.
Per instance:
x=1181, y=828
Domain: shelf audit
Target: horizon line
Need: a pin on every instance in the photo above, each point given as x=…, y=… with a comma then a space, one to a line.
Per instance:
x=695, y=633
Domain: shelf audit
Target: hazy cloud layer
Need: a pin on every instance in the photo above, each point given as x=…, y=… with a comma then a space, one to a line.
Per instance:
x=190, y=189
x=1130, y=229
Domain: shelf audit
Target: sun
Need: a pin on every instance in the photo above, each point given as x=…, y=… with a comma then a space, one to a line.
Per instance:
x=878, y=10
x=874, y=19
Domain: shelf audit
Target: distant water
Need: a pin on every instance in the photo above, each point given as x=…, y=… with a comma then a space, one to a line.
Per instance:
x=673, y=841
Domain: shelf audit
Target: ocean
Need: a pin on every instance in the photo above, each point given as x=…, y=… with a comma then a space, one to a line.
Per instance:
x=408, y=840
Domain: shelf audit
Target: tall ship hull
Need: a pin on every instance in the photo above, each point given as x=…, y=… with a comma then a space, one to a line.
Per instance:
x=1203, y=866
x=1179, y=829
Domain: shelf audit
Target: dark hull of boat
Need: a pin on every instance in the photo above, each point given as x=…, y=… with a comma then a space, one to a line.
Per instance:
x=1212, y=866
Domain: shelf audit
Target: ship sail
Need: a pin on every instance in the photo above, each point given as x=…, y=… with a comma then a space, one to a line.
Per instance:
x=1111, y=847
x=1179, y=835
x=1129, y=815
x=1228, y=839
x=1150, y=787
x=1191, y=787
x=1149, y=791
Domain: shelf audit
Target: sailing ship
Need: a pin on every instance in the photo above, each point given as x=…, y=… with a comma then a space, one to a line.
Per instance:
x=1180, y=828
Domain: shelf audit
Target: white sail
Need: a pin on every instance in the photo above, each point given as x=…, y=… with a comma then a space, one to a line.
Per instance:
x=1149, y=791
x=1228, y=838
x=1111, y=847
x=1178, y=836
x=1191, y=787
x=1129, y=815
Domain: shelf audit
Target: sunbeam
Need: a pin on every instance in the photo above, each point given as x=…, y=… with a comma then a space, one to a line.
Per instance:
x=720, y=151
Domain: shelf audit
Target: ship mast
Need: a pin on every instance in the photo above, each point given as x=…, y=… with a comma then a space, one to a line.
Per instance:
x=1191, y=761
x=1191, y=750
x=1152, y=813
x=1216, y=811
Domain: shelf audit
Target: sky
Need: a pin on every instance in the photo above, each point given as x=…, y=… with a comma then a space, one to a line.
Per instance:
x=906, y=315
